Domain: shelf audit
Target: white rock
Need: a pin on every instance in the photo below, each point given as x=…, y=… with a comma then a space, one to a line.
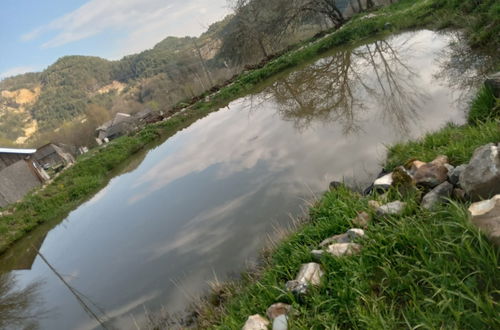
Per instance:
x=343, y=249
x=256, y=322
x=486, y=216
x=393, y=208
x=280, y=323
x=278, y=309
x=354, y=233
x=347, y=237
x=383, y=182
x=342, y=238
x=310, y=273
x=483, y=207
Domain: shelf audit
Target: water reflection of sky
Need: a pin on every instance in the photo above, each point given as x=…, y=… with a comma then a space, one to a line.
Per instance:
x=203, y=202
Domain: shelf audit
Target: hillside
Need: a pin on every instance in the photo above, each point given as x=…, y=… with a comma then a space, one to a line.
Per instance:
x=34, y=104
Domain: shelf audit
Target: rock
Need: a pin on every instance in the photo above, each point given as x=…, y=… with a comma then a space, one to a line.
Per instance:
x=481, y=177
x=372, y=187
x=373, y=204
x=450, y=168
x=459, y=195
x=343, y=249
x=432, y=174
x=383, y=182
x=347, y=237
x=362, y=220
x=280, y=323
x=256, y=322
x=454, y=175
x=296, y=287
x=493, y=83
x=393, y=208
x=335, y=185
x=354, y=233
x=415, y=165
x=342, y=238
x=278, y=309
x=309, y=274
x=437, y=195
x=440, y=160
x=486, y=216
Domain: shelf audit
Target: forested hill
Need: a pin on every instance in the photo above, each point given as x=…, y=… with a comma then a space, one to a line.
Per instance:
x=61, y=94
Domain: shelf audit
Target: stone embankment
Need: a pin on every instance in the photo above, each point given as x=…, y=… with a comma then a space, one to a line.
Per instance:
x=431, y=184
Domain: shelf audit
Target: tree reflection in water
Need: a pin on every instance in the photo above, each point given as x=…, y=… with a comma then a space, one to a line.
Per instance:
x=19, y=308
x=339, y=88
x=462, y=68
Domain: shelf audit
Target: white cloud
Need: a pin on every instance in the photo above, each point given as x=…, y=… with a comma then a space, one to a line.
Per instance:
x=15, y=71
x=144, y=22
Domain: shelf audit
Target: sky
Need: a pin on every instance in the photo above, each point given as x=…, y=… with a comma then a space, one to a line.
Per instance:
x=35, y=33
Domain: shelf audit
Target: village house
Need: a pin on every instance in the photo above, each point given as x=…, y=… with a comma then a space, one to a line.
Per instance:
x=52, y=156
x=148, y=116
x=120, y=125
x=19, y=174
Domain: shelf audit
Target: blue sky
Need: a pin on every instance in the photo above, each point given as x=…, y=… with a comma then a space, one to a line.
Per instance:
x=35, y=33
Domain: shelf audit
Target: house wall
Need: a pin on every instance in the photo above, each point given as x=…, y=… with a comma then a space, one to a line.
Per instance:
x=16, y=181
x=7, y=159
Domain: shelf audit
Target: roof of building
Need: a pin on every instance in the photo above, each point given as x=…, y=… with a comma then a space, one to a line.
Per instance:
x=17, y=151
x=144, y=113
x=46, y=150
x=119, y=118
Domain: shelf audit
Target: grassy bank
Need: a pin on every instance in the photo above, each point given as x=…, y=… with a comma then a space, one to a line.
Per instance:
x=93, y=171
x=422, y=269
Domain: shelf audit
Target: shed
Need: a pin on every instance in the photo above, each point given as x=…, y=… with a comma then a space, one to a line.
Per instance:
x=52, y=156
x=121, y=124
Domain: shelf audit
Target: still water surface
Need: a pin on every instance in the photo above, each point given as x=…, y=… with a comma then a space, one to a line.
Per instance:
x=202, y=204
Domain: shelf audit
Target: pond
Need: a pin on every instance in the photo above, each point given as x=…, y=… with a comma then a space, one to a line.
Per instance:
x=200, y=206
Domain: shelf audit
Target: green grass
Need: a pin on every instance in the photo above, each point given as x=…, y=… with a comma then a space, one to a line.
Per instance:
x=419, y=270
x=93, y=171
x=456, y=142
x=484, y=107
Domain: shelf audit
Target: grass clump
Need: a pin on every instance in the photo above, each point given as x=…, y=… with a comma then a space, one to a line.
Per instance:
x=456, y=142
x=421, y=269
x=484, y=107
